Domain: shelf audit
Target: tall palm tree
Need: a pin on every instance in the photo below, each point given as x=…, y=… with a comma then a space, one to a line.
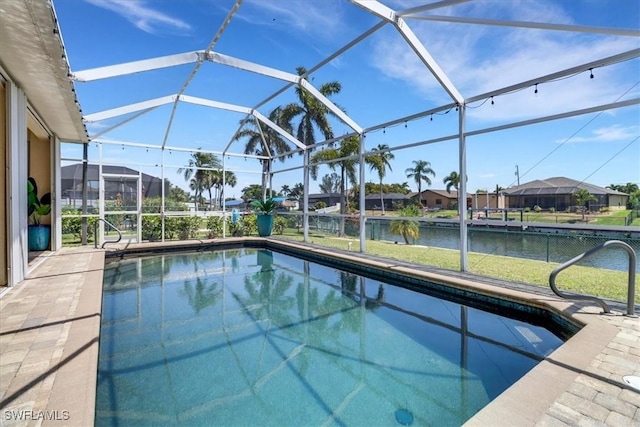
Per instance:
x=379, y=162
x=348, y=147
x=420, y=172
x=285, y=190
x=230, y=180
x=313, y=113
x=200, y=177
x=452, y=180
x=297, y=191
x=273, y=144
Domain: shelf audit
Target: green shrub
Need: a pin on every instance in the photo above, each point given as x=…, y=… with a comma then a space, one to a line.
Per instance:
x=279, y=224
x=527, y=209
x=73, y=225
x=151, y=228
x=250, y=224
x=320, y=205
x=215, y=226
x=552, y=210
x=182, y=227
x=537, y=209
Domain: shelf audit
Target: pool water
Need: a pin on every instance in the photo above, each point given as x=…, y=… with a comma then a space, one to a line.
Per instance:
x=254, y=337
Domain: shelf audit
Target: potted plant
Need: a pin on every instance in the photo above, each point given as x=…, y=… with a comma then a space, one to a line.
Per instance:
x=39, y=234
x=264, y=210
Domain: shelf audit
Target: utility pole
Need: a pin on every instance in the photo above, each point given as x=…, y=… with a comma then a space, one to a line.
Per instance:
x=518, y=174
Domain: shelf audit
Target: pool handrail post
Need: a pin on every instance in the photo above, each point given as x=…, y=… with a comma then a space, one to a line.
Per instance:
x=631, y=286
x=95, y=233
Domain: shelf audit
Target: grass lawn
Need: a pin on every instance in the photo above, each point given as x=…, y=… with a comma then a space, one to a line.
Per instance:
x=585, y=280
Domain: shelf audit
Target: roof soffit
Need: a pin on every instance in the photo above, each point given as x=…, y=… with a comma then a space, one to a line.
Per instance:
x=33, y=56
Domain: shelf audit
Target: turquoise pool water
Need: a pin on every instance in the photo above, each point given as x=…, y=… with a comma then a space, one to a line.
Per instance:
x=251, y=337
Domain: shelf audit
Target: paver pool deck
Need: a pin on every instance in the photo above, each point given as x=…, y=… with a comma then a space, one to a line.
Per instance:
x=49, y=331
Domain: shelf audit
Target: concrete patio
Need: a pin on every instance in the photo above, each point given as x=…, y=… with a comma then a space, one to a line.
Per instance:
x=49, y=330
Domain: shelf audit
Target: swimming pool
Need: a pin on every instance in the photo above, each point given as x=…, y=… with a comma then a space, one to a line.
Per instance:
x=256, y=337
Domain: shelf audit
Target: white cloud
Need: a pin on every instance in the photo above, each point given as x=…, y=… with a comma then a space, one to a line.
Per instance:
x=140, y=14
x=479, y=59
x=320, y=19
x=607, y=134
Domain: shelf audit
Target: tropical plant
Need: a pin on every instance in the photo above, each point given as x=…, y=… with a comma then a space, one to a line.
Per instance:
x=198, y=173
x=37, y=207
x=266, y=142
x=420, y=172
x=629, y=187
x=452, y=180
x=285, y=190
x=583, y=197
x=380, y=161
x=313, y=113
x=230, y=179
x=347, y=166
x=264, y=207
x=297, y=191
x=406, y=227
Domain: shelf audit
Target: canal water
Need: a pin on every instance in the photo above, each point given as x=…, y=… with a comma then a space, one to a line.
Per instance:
x=550, y=246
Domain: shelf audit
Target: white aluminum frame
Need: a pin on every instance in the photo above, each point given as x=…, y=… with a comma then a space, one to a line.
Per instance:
x=399, y=19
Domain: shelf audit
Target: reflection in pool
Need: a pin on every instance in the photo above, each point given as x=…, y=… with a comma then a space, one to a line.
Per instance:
x=255, y=337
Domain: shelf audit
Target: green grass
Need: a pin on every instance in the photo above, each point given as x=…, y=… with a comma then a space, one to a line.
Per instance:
x=584, y=280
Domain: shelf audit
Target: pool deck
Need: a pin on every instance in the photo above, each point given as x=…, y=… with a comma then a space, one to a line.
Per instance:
x=49, y=329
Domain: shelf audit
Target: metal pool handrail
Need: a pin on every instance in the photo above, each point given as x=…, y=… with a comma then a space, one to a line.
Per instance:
x=632, y=276
x=95, y=233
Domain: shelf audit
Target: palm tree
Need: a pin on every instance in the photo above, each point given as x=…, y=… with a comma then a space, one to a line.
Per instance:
x=406, y=227
x=348, y=147
x=200, y=177
x=313, y=113
x=230, y=179
x=297, y=191
x=629, y=187
x=420, y=172
x=583, y=197
x=452, y=180
x=379, y=162
x=285, y=190
x=273, y=144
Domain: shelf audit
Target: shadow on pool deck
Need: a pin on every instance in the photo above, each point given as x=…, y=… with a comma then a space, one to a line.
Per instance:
x=49, y=329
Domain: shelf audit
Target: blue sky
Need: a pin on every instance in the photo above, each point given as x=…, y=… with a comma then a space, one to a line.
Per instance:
x=382, y=80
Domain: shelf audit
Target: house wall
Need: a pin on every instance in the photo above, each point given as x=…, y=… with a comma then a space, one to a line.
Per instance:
x=40, y=162
x=3, y=188
x=618, y=202
x=434, y=200
x=481, y=201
